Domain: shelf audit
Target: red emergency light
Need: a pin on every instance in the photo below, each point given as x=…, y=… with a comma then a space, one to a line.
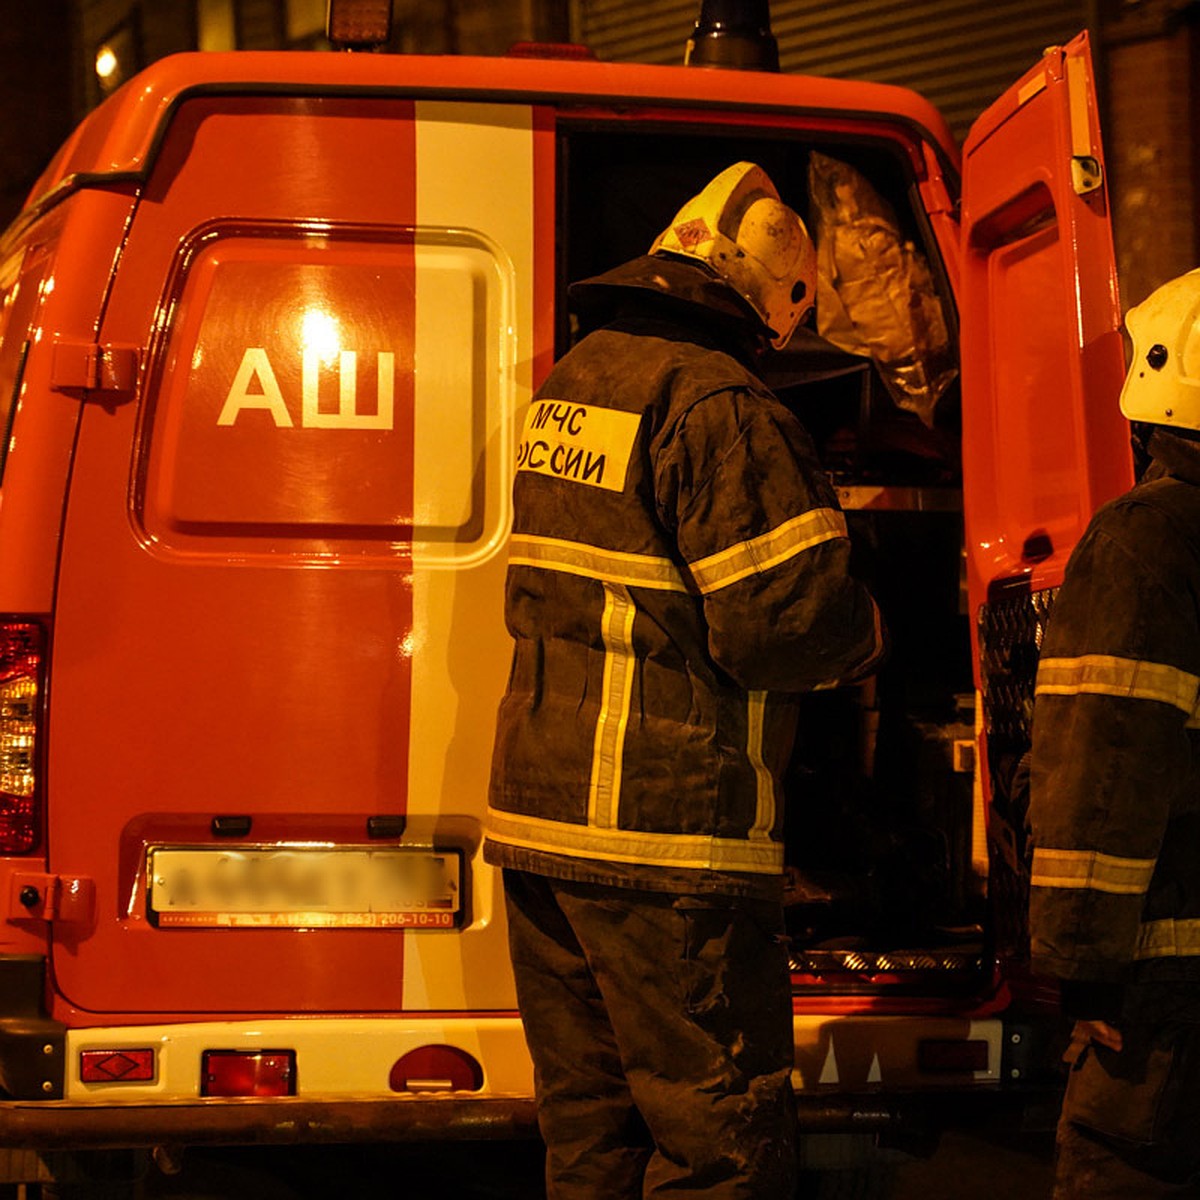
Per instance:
x=359, y=24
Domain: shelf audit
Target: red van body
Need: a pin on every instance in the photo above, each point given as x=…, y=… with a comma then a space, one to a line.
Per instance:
x=268, y=326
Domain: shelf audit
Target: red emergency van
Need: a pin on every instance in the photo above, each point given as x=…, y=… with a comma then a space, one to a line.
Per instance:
x=269, y=324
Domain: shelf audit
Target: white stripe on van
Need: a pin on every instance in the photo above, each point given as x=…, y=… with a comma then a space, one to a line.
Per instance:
x=473, y=350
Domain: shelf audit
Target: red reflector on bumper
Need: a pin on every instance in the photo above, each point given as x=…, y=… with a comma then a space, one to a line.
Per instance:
x=248, y=1073
x=116, y=1066
x=952, y=1055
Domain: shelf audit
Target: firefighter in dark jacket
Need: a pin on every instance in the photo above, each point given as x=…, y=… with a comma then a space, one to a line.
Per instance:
x=678, y=570
x=1115, y=803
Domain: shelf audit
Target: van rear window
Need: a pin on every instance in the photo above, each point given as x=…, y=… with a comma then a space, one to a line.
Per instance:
x=294, y=409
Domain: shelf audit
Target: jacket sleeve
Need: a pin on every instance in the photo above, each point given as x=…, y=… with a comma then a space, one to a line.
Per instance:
x=760, y=530
x=1116, y=685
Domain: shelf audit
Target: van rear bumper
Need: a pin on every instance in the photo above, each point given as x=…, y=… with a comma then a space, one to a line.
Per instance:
x=55, y=1125
x=64, y=1125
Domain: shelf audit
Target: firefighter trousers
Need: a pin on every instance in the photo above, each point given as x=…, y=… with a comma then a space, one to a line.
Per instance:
x=661, y=1036
x=1128, y=1129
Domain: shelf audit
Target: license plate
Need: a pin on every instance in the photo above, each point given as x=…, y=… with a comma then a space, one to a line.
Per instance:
x=299, y=887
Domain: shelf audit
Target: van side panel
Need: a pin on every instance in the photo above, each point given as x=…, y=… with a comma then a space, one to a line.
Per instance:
x=45, y=305
x=39, y=415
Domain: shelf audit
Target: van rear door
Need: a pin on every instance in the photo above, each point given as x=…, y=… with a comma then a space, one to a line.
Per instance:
x=277, y=646
x=1044, y=443
x=1042, y=360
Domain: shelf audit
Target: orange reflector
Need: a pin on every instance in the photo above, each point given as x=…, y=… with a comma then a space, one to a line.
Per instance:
x=951, y=1055
x=116, y=1066
x=248, y=1073
x=436, y=1069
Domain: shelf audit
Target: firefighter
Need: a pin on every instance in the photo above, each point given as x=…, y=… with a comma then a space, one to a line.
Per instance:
x=1115, y=802
x=678, y=570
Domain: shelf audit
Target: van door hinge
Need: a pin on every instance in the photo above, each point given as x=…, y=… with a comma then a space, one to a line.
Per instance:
x=84, y=368
x=33, y=896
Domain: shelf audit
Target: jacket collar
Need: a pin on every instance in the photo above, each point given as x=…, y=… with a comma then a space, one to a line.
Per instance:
x=1175, y=454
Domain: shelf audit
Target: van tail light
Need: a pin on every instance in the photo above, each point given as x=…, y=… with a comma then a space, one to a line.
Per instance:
x=248, y=1073
x=22, y=657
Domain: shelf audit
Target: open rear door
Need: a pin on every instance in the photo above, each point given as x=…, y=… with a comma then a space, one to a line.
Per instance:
x=1044, y=443
x=1042, y=361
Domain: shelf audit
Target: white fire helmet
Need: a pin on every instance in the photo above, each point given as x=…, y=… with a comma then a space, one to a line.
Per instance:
x=1163, y=383
x=740, y=228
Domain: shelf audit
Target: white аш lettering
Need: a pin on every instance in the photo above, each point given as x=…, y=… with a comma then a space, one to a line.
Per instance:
x=256, y=388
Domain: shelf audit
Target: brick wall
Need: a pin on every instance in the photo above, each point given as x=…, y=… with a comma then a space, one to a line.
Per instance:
x=35, y=97
x=1151, y=111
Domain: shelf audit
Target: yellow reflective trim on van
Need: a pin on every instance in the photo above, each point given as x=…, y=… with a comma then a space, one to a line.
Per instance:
x=769, y=549
x=1093, y=870
x=616, y=629
x=1108, y=675
x=764, y=817
x=683, y=850
x=1168, y=938
x=608, y=566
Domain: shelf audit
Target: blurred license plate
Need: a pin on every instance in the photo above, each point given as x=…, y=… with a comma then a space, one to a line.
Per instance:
x=292, y=887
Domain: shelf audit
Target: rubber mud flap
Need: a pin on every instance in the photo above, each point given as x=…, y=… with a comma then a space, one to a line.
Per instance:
x=32, y=1046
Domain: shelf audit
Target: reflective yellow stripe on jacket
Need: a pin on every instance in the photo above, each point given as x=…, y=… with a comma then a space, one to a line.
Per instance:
x=1091, y=869
x=768, y=550
x=591, y=562
x=764, y=820
x=1108, y=675
x=719, y=570
x=1168, y=938
x=619, y=663
x=633, y=846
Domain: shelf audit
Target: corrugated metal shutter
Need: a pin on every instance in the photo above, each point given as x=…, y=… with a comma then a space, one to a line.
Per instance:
x=260, y=24
x=634, y=31
x=960, y=54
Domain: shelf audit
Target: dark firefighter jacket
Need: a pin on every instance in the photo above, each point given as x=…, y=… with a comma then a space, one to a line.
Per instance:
x=1115, y=801
x=678, y=564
